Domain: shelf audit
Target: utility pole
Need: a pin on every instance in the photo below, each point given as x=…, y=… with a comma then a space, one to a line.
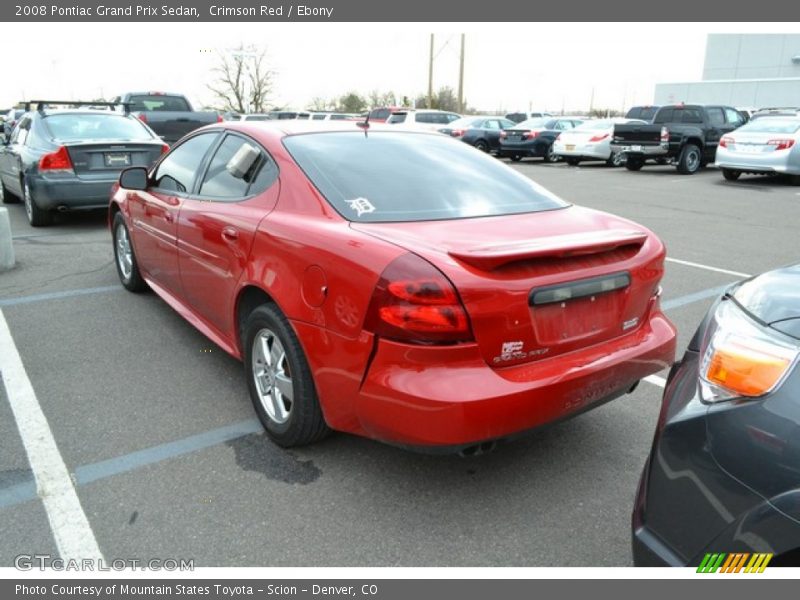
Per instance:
x=591, y=102
x=430, y=76
x=461, y=78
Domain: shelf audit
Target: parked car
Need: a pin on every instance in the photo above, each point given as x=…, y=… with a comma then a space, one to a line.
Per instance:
x=723, y=475
x=645, y=112
x=68, y=159
x=481, y=132
x=591, y=141
x=768, y=145
x=255, y=117
x=535, y=137
x=421, y=118
x=382, y=113
x=171, y=116
x=10, y=121
x=289, y=115
x=519, y=117
x=332, y=116
x=788, y=111
x=384, y=284
x=686, y=134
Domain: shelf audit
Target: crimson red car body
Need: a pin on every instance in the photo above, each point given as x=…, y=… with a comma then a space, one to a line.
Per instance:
x=514, y=366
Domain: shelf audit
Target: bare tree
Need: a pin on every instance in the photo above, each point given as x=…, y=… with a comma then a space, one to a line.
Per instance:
x=243, y=79
x=319, y=103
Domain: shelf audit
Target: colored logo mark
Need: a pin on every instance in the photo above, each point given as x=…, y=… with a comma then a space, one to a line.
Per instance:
x=736, y=562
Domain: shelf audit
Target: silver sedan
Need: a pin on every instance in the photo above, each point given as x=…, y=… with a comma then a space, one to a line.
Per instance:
x=767, y=145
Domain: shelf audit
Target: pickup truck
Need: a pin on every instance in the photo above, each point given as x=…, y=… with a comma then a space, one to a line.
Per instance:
x=171, y=116
x=686, y=135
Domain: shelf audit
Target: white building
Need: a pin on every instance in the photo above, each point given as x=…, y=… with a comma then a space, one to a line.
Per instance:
x=743, y=70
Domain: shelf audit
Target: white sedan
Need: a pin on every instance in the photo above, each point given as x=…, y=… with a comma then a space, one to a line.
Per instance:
x=766, y=145
x=591, y=141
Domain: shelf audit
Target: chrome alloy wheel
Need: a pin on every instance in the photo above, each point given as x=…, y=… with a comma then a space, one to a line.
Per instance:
x=26, y=193
x=124, y=254
x=271, y=374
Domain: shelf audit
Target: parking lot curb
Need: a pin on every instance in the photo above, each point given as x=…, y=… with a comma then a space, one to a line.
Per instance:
x=6, y=247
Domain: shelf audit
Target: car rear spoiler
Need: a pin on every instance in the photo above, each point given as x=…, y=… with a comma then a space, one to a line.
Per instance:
x=42, y=104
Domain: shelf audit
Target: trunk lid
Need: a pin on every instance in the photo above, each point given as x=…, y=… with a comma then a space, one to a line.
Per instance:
x=637, y=133
x=111, y=157
x=531, y=293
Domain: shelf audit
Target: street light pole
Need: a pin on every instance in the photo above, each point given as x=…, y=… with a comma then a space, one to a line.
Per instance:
x=430, y=76
x=461, y=78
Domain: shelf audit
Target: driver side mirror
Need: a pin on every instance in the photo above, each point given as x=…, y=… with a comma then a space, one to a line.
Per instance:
x=240, y=163
x=133, y=178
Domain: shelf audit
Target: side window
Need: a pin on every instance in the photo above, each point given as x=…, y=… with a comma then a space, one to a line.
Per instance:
x=716, y=117
x=425, y=118
x=690, y=115
x=734, y=118
x=492, y=124
x=452, y=117
x=220, y=182
x=21, y=131
x=665, y=115
x=177, y=171
x=563, y=125
x=506, y=123
x=318, y=117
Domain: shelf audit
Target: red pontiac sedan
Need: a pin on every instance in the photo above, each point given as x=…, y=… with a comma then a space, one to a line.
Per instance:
x=398, y=285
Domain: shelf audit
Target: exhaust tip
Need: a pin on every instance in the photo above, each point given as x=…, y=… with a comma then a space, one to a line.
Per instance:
x=478, y=449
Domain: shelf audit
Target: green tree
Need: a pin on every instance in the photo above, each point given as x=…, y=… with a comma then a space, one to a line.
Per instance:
x=352, y=102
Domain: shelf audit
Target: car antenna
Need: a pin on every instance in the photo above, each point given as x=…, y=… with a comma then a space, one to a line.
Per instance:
x=365, y=124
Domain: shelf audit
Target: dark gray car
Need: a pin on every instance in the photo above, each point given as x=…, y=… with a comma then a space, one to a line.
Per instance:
x=69, y=159
x=723, y=475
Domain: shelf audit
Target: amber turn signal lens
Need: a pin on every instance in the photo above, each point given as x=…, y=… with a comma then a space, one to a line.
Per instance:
x=746, y=370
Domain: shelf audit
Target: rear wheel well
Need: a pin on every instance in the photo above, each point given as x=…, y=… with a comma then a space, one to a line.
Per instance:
x=250, y=298
x=695, y=141
x=112, y=212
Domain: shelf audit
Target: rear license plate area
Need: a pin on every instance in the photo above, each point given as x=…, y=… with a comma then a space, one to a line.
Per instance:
x=117, y=159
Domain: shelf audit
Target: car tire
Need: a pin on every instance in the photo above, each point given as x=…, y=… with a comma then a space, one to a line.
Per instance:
x=617, y=159
x=690, y=160
x=37, y=217
x=794, y=179
x=573, y=162
x=125, y=257
x=549, y=155
x=515, y=157
x=7, y=197
x=482, y=146
x=272, y=354
x=731, y=174
x=634, y=163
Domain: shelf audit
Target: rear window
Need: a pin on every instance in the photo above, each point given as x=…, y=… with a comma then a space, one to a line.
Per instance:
x=532, y=123
x=257, y=118
x=772, y=125
x=365, y=177
x=83, y=126
x=158, y=103
x=397, y=118
x=642, y=112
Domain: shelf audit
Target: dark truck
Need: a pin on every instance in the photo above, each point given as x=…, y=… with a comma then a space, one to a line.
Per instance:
x=171, y=116
x=686, y=135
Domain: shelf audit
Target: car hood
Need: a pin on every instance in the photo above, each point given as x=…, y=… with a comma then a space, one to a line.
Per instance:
x=774, y=298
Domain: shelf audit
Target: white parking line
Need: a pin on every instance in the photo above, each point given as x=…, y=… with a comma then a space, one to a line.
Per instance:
x=655, y=380
x=707, y=267
x=71, y=530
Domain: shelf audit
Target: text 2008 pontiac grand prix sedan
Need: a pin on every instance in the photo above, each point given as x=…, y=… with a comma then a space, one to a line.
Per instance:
x=397, y=285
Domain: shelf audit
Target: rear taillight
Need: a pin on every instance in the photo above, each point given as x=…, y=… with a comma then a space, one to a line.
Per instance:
x=164, y=148
x=56, y=161
x=503, y=135
x=599, y=138
x=142, y=117
x=457, y=132
x=664, y=135
x=781, y=144
x=726, y=141
x=220, y=119
x=529, y=135
x=414, y=302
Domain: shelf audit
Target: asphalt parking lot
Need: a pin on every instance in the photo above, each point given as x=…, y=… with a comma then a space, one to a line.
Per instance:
x=156, y=428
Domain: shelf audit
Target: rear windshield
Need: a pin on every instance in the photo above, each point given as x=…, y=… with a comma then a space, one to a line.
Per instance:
x=397, y=117
x=467, y=122
x=644, y=112
x=77, y=126
x=257, y=118
x=534, y=123
x=772, y=125
x=398, y=176
x=158, y=103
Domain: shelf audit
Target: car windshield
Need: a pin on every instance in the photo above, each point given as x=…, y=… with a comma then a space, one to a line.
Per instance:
x=465, y=122
x=532, y=124
x=158, y=103
x=772, y=125
x=366, y=177
x=82, y=126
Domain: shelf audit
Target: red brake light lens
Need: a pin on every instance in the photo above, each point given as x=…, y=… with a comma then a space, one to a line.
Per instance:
x=56, y=161
x=529, y=135
x=503, y=135
x=414, y=302
x=142, y=117
x=164, y=148
x=457, y=132
x=599, y=138
x=781, y=144
x=664, y=134
x=726, y=140
x=220, y=119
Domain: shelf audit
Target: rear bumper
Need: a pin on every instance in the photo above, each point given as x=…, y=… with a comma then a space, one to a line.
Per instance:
x=70, y=192
x=785, y=163
x=640, y=149
x=522, y=149
x=449, y=397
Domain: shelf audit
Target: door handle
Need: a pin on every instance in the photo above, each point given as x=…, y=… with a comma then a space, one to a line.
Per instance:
x=169, y=217
x=229, y=234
